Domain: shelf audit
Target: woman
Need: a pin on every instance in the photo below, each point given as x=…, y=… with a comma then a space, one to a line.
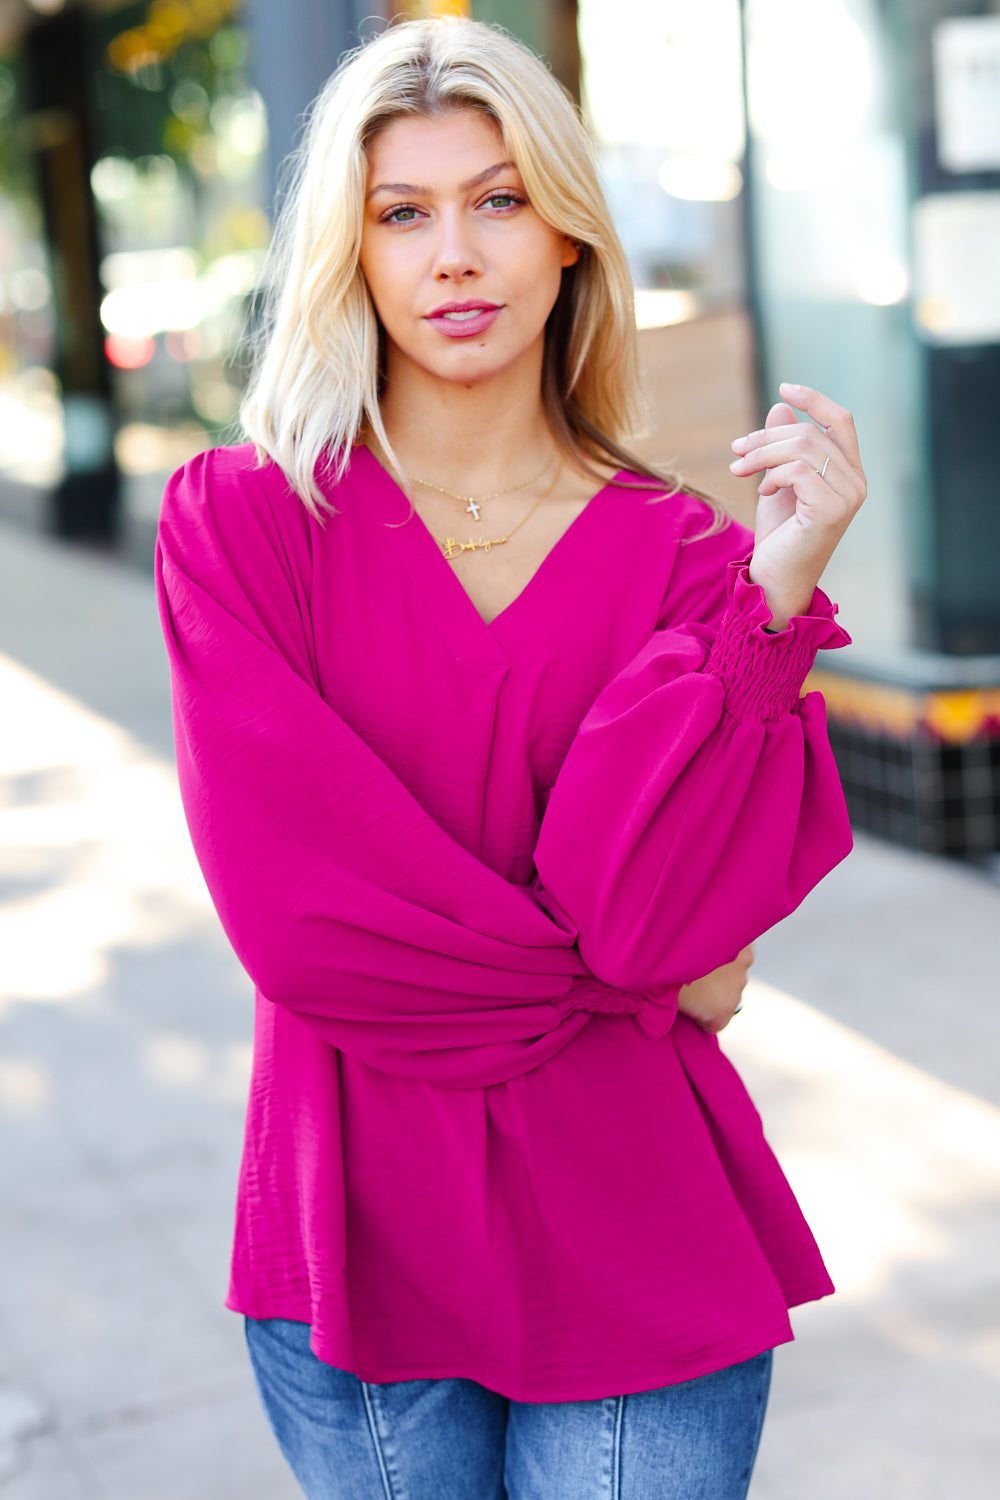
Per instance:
x=495, y=761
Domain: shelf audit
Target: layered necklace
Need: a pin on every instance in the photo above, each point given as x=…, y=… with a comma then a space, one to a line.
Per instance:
x=474, y=503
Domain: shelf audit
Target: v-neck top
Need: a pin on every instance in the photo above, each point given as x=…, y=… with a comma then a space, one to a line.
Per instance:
x=467, y=867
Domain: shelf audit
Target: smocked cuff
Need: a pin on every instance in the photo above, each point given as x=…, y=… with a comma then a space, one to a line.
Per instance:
x=762, y=673
x=592, y=994
x=655, y=1010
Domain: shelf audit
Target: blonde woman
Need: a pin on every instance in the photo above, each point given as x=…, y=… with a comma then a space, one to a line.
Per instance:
x=493, y=751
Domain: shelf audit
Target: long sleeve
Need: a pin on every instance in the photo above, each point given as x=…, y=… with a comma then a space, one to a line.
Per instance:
x=342, y=898
x=699, y=802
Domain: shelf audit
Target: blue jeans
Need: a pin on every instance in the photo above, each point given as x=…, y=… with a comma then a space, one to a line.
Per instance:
x=347, y=1439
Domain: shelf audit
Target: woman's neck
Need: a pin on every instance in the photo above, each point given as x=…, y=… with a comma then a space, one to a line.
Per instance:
x=470, y=438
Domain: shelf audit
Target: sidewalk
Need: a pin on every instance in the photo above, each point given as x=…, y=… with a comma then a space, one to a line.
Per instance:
x=869, y=1039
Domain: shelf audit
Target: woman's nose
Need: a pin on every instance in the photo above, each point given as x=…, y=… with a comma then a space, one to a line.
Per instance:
x=456, y=254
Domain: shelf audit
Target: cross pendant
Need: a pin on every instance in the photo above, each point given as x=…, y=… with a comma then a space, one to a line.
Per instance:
x=473, y=508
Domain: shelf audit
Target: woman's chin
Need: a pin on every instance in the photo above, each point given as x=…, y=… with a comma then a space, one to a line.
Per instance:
x=468, y=365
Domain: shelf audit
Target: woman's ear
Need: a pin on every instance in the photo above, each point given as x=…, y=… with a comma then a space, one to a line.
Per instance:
x=571, y=251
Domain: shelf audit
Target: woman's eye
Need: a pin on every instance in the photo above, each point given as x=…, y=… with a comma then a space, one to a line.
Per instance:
x=503, y=200
x=402, y=215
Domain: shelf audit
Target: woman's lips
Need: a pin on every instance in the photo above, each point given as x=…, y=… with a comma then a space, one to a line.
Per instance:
x=464, y=320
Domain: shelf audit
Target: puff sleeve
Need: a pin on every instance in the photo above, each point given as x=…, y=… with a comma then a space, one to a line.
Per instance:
x=699, y=802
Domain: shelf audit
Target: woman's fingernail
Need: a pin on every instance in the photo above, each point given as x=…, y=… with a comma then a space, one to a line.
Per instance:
x=736, y=464
x=738, y=445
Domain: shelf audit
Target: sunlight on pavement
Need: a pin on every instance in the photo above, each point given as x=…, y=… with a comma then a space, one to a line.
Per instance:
x=880, y=1153
x=25, y=1086
x=181, y=1062
x=95, y=850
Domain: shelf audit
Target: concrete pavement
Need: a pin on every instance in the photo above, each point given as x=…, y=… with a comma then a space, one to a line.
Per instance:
x=869, y=1040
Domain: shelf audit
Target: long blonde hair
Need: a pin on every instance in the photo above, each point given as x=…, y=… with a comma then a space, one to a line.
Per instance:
x=314, y=386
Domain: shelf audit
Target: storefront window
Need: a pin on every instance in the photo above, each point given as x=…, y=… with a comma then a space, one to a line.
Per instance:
x=30, y=412
x=178, y=184
x=169, y=147
x=668, y=118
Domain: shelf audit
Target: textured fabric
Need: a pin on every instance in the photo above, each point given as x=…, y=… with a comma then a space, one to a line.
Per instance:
x=468, y=867
x=347, y=1439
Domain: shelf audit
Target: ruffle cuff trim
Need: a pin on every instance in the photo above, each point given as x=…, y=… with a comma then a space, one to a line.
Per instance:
x=762, y=673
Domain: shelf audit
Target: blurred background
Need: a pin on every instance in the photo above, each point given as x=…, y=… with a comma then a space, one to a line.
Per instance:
x=807, y=190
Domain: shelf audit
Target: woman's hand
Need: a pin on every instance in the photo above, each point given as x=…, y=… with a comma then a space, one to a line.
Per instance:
x=714, y=1000
x=813, y=487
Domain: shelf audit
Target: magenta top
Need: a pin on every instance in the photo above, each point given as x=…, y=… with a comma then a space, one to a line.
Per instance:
x=467, y=867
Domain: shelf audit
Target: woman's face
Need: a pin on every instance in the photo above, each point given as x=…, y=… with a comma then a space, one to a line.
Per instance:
x=462, y=270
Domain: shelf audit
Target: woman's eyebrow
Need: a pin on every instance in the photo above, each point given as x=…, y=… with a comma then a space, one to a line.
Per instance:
x=463, y=187
x=481, y=177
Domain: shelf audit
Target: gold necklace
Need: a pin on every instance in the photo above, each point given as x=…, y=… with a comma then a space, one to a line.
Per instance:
x=474, y=502
x=451, y=548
